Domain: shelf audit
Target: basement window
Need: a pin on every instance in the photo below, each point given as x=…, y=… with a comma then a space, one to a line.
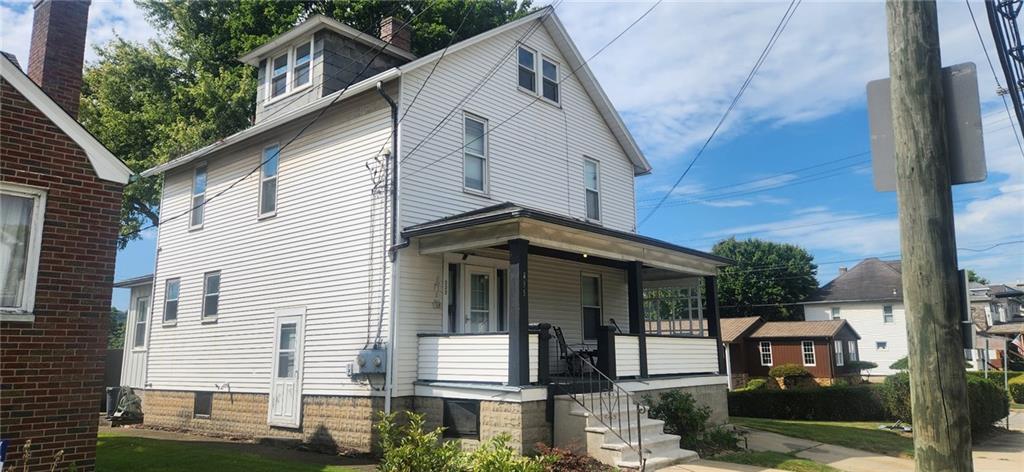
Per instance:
x=203, y=405
x=461, y=419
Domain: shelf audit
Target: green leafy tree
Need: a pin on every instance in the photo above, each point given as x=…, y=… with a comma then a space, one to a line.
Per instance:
x=152, y=102
x=973, y=276
x=115, y=330
x=768, y=279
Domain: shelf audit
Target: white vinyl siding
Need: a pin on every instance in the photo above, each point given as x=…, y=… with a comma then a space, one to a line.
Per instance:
x=681, y=355
x=533, y=159
x=22, y=217
x=268, y=180
x=807, y=349
x=866, y=318
x=765, y=349
x=324, y=253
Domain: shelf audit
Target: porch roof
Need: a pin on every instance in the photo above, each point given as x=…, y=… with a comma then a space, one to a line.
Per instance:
x=495, y=225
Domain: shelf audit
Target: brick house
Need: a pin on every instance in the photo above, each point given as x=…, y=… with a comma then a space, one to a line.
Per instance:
x=824, y=348
x=60, y=199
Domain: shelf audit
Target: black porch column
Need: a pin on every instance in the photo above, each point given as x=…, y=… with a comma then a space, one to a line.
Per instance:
x=637, y=326
x=711, y=314
x=518, y=313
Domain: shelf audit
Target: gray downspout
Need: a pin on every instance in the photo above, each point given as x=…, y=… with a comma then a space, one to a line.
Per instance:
x=389, y=382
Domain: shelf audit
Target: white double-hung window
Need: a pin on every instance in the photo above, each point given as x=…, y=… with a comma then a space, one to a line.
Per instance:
x=198, y=197
x=765, y=348
x=474, y=164
x=887, y=314
x=839, y=353
x=21, y=231
x=211, y=294
x=527, y=69
x=852, y=347
x=290, y=70
x=592, y=188
x=807, y=348
x=268, y=180
x=549, y=80
x=172, y=290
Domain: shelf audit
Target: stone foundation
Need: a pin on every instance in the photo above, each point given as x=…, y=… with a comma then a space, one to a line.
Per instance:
x=526, y=423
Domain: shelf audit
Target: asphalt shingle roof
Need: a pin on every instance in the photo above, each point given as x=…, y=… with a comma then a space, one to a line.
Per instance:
x=870, y=280
x=733, y=328
x=799, y=329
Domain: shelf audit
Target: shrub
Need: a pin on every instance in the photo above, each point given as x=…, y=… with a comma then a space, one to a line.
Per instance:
x=568, y=461
x=861, y=365
x=996, y=375
x=788, y=371
x=754, y=384
x=902, y=364
x=682, y=416
x=854, y=403
x=407, y=447
x=987, y=401
x=494, y=455
x=1017, y=389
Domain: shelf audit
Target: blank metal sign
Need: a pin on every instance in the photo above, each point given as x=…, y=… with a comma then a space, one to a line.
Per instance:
x=963, y=128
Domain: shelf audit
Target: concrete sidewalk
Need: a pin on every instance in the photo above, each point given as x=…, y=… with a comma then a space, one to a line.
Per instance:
x=715, y=466
x=1003, y=452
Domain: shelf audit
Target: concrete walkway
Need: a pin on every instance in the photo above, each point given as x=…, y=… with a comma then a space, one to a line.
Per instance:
x=1003, y=452
x=715, y=466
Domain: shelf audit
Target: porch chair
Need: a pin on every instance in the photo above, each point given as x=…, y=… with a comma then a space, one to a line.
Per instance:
x=572, y=365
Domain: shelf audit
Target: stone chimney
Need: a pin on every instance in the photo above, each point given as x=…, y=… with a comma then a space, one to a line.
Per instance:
x=842, y=270
x=58, y=50
x=394, y=31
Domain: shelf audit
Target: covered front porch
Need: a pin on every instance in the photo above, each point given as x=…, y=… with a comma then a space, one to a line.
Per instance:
x=534, y=298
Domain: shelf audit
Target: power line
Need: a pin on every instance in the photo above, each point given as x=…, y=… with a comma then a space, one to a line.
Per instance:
x=995, y=76
x=572, y=73
x=793, y=5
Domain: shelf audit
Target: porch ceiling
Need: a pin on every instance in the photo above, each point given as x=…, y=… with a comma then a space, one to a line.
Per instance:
x=495, y=226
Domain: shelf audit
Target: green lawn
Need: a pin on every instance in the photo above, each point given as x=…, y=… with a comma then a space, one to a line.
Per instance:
x=124, y=453
x=775, y=460
x=863, y=435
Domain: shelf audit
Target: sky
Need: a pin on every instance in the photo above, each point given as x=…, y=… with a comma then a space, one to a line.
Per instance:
x=791, y=163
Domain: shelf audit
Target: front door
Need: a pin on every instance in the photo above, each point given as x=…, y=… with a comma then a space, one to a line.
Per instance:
x=480, y=302
x=286, y=388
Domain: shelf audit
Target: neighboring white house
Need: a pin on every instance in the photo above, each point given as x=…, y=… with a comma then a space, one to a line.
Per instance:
x=133, y=361
x=286, y=304
x=870, y=297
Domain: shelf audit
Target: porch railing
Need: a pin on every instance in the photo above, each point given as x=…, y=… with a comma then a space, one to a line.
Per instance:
x=606, y=401
x=477, y=357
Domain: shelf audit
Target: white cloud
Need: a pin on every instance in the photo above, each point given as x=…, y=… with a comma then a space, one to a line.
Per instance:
x=107, y=19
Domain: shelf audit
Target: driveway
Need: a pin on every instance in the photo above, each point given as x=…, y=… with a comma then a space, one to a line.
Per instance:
x=1003, y=452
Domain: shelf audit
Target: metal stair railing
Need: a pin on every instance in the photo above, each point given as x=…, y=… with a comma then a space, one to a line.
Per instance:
x=605, y=400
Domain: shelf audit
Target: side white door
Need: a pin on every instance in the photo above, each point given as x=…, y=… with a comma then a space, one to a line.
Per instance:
x=285, y=407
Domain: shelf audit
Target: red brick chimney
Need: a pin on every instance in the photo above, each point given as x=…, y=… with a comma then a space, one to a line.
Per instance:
x=394, y=31
x=58, y=50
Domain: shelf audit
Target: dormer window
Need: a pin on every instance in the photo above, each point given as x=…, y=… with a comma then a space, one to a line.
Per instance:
x=290, y=70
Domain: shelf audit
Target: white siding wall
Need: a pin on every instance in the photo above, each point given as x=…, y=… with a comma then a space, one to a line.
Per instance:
x=133, y=363
x=627, y=356
x=866, y=319
x=322, y=251
x=469, y=358
x=668, y=355
x=536, y=158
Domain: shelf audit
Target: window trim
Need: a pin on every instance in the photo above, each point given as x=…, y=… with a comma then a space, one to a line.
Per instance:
x=851, y=346
x=803, y=354
x=887, y=318
x=761, y=352
x=840, y=358
x=202, y=310
x=486, y=180
x=597, y=168
x=533, y=69
x=557, y=82
x=24, y=311
x=599, y=306
x=177, y=308
x=835, y=313
x=260, y=214
x=192, y=197
x=141, y=319
x=289, y=73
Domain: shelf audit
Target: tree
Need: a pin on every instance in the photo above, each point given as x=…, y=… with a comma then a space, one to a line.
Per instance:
x=152, y=102
x=768, y=279
x=115, y=330
x=973, y=276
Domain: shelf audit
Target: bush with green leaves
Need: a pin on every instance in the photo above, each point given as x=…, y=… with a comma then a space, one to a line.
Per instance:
x=903, y=364
x=564, y=460
x=987, y=401
x=684, y=417
x=1017, y=389
x=861, y=365
x=996, y=375
x=494, y=455
x=853, y=403
x=789, y=371
x=754, y=384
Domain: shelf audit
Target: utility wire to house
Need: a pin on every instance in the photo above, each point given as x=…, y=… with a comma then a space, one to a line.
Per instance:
x=779, y=29
x=999, y=87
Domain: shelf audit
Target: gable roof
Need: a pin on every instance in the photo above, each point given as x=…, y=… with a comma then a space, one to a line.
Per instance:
x=315, y=23
x=551, y=23
x=734, y=328
x=1004, y=291
x=134, y=281
x=802, y=329
x=104, y=163
x=870, y=280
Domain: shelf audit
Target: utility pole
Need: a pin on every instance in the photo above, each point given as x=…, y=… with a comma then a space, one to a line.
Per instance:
x=938, y=385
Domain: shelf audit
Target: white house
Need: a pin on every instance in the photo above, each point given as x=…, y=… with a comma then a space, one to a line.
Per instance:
x=299, y=297
x=870, y=297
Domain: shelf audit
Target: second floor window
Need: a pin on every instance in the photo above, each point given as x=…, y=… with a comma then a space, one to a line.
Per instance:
x=527, y=69
x=835, y=313
x=290, y=70
x=887, y=314
x=171, y=293
x=268, y=181
x=591, y=184
x=549, y=87
x=300, y=71
x=765, y=348
x=211, y=294
x=807, y=348
x=279, y=76
x=198, y=197
x=474, y=165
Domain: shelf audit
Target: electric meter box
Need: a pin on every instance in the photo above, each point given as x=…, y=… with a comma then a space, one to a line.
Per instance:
x=371, y=361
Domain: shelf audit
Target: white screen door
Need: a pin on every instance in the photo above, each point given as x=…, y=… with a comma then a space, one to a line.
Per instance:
x=285, y=387
x=480, y=300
